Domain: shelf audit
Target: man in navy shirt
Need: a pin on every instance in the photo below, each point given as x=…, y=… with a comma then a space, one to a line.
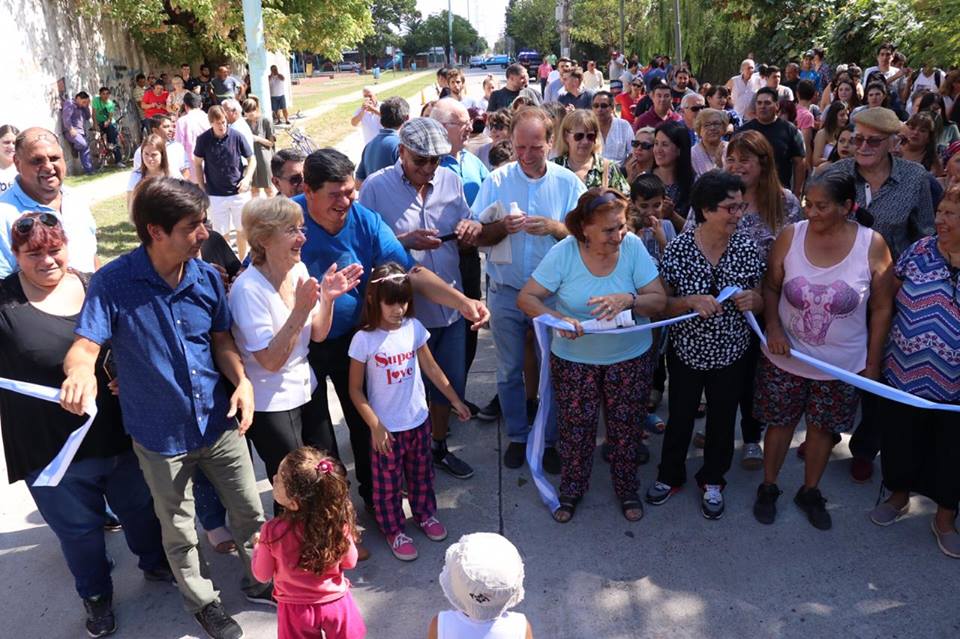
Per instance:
x=344, y=232
x=165, y=314
x=383, y=150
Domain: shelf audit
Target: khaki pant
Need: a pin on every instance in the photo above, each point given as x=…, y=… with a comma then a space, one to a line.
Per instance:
x=228, y=466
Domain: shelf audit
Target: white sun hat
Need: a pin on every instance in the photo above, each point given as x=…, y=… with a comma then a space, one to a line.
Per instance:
x=482, y=576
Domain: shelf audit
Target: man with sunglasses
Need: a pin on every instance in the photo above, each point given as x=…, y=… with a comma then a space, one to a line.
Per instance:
x=424, y=204
x=286, y=167
x=39, y=187
x=383, y=150
x=662, y=110
x=690, y=107
x=897, y=194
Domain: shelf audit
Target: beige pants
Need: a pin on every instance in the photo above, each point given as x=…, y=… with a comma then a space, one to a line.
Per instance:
x=227, y=465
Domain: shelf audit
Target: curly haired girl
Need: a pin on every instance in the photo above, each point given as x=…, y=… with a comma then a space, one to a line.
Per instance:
x=307, y=547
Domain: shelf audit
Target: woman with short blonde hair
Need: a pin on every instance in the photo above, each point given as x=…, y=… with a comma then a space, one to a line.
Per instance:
x=579, y=146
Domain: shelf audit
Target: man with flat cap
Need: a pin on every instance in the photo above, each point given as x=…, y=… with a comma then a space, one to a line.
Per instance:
x=425, y=205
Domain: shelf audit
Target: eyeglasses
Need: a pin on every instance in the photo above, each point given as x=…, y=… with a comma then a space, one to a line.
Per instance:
x=873, y=142
x=420, y=160
x=716, y=124
x=637, y=85
x=25, y=224
x=498, y=127
x=578, y=136
x=697, y=108
x=601, y=105
x=295, y=180
x=731, y=209
x=646, y=146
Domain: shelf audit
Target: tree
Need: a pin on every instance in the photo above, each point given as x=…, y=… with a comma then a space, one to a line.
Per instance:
x=173, y=30
x=532, y=24
x=389, y=17
x=432, y=32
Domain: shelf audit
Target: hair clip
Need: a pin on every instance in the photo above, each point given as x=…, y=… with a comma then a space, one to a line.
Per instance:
x=325, y=467
x=390, y=278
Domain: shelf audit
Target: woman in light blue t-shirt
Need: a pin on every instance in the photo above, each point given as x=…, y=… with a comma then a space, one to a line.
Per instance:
x=597, y=272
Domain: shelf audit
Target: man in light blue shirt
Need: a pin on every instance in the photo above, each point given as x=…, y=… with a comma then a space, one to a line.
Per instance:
x=544, y=192
x=425, y=207
x=384, y=149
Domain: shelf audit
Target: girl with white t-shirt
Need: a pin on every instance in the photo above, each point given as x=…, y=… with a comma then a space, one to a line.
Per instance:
x=387, y=353
x=8, y=141
x=153, y=163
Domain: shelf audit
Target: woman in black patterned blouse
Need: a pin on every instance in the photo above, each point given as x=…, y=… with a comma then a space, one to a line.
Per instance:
x=707, y=352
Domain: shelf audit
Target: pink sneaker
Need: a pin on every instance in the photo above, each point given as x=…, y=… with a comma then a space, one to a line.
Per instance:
x=402, y=547
x=433, y=529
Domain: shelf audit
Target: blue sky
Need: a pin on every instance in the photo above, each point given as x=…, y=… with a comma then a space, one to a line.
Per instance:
x=489, y=24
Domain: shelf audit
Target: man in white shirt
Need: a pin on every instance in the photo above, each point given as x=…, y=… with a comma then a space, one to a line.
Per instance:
x=278, y=95
x=231, y=108
x=367, y=115
x=191, y=124
x=884, y=57
x=773, y=81
x=178, y=162
x=592, y=77
x=743, y=87
x=39, y=188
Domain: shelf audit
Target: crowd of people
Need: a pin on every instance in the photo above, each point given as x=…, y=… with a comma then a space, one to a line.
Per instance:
x=643, y=197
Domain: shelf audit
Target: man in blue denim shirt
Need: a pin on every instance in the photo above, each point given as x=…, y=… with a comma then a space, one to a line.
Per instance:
x=165, y=313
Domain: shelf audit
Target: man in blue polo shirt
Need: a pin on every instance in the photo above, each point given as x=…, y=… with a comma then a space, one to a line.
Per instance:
x=416, y=194
x=344, y=232
x=165, y=314
x=383, y=150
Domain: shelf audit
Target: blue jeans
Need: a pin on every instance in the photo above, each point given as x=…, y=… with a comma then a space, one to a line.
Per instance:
x=509, y=326
x=82, y=148
x=113, y=137
x=448, y=345
x=75, y=510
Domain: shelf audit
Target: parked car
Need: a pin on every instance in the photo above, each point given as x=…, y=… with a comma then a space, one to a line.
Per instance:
x=530, y=59
x=476, y=62
x=498, y=60
x=352, y=67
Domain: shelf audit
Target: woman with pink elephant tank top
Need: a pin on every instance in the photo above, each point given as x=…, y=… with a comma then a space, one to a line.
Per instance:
x=824, y=275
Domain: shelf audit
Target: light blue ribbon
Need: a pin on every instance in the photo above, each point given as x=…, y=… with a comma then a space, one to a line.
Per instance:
x=543, y=323
x=53, y=472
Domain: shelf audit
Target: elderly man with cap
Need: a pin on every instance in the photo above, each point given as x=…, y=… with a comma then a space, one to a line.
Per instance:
x=340, y=230
x=897, y=194
x=39, y=187
x=424, y=204
x=744, y=86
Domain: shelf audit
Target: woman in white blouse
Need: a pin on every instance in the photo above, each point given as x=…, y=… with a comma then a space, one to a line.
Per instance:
x=617, y=132
x=708, y=153
x=277, y=308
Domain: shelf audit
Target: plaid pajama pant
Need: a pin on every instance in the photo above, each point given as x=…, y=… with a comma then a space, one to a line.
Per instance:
x=412, y=460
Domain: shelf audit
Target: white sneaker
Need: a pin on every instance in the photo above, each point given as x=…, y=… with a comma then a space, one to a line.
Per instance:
x=712, y=503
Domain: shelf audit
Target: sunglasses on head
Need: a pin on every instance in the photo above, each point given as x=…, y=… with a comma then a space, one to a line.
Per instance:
x=578, y=137
x=420, y=160
x=25, y=224
x=646, y=146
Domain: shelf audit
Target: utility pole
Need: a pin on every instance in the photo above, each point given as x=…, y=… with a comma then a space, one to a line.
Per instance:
x=622, y=46
x=676, y=11
x=563, y=22
x=450, y=33
x=256, y=52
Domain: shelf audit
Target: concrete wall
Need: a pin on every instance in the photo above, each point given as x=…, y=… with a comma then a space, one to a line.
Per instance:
x=50, y=52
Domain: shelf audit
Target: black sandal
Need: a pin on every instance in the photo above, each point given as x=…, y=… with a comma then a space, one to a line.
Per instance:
x=631, y=502
x=568, y=506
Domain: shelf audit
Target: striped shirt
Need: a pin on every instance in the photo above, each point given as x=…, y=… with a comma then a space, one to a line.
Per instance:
x=923, y=354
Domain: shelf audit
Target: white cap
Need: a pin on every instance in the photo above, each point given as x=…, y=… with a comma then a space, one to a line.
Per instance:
x=482, y=576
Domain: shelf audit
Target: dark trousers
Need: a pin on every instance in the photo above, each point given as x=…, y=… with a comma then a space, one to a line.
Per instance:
x=723, y=388
x=750, y=428
x=543, y=87
x=660, y=374
x=921, y=451
x=865, y=443
x=470, y=278
x=75, y=511
x=331, y=359
x=113, y=136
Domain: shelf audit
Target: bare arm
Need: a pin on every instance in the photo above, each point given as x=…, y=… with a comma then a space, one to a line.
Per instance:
x=819, y=143
x=530, y=301
x=248, y=174
x=808, y=147
x=198, y=176
x=436, y=375
x=772, y=283
x=227, y=358
x=426, y=283
x=799, y=175
x=335, y=283
x=380, y=437
x=79, y=388
x=277, y=352
x=882, y=290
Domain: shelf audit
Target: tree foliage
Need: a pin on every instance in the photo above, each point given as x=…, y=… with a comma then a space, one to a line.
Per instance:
x=533, y=25
x=389, y=18
x=212, y=30
x=433, y=32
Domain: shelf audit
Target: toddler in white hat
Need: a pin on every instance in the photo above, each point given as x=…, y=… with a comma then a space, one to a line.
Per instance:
x=482, y=578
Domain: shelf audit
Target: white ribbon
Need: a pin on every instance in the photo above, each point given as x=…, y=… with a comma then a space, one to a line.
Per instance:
x=543, y=323
x=53, y=472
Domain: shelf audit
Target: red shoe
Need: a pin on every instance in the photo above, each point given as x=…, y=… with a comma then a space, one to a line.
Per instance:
x=433, y=529
x=861, y=470
x=402, y=547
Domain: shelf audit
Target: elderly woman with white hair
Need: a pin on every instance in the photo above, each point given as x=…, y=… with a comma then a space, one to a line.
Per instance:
x=277, y=310
x=708, y=153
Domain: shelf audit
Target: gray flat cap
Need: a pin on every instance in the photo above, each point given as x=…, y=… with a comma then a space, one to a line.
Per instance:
x=425, y=137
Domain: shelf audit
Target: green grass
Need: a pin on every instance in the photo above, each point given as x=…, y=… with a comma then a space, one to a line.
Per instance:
x=115, y=233
x=77, y=180
x=331, y=127
x=308, y=95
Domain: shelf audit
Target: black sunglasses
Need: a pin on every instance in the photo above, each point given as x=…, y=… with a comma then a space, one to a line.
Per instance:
x=646, y=146
x=697, y=108
x=295, y=180
x=25, y=224
x=592, y=137
x=420, y=160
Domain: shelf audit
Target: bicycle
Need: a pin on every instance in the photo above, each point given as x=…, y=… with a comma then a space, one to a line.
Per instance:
x=301, y=141
x=105, y=150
